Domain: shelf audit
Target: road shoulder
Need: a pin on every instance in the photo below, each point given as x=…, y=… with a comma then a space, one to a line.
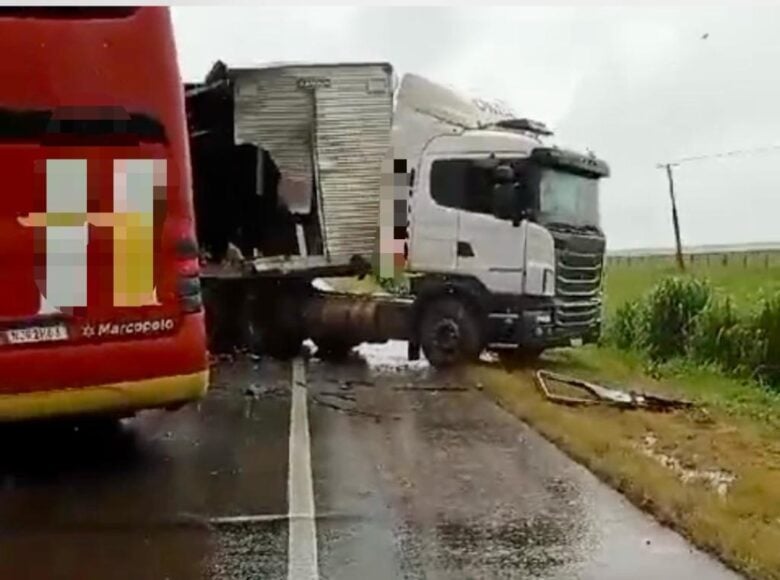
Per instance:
x=703, y=472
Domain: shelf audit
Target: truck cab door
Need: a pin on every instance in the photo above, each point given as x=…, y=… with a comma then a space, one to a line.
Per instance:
x=483, y=246
x=433, y=226
x=492, y=250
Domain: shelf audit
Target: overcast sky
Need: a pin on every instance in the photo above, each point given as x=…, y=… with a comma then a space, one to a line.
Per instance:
x=636, y=85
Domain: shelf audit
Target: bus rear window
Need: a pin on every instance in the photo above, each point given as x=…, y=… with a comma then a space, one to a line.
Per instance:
x=107, y=125
x=68, y=12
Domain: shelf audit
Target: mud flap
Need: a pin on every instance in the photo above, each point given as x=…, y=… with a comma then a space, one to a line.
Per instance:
x=412, y=351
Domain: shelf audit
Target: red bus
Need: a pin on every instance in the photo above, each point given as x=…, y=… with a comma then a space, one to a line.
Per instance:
x=100, y=304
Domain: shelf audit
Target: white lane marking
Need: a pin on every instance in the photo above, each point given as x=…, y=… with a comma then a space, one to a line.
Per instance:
x=302, y=547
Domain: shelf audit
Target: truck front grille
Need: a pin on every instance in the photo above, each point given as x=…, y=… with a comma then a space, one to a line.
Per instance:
x=579, y=263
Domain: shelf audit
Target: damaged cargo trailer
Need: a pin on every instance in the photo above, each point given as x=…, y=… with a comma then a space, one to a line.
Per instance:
x=287, y=165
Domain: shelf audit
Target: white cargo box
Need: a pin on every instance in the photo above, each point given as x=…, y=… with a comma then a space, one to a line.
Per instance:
x=328, y=129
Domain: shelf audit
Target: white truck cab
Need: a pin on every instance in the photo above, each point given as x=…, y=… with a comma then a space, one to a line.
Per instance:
x=499, y=217
x=452, y=201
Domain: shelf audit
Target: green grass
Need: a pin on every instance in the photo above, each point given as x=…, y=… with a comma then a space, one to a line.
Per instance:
x=743, y=276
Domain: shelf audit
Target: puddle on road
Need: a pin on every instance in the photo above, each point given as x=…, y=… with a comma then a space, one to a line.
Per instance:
x=540, y=547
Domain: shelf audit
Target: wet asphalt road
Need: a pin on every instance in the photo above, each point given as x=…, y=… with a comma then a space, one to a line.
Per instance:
x=414, y=475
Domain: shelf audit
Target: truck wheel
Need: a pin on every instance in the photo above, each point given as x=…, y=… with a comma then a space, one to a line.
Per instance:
x=449, y=333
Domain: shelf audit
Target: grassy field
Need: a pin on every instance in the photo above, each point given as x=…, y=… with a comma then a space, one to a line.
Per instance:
x=743, y=275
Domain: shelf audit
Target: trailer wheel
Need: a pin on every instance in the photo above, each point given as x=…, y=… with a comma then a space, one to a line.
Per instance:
x=449, y=333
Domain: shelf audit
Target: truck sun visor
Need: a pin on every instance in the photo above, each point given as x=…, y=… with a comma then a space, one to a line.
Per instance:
x=570, y=161
x=525, y=125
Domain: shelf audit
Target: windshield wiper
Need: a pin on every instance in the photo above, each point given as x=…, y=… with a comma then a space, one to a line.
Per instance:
x=572, y=228
x=560, y=226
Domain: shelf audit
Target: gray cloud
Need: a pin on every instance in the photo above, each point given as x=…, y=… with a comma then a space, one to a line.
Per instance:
x=637, y=85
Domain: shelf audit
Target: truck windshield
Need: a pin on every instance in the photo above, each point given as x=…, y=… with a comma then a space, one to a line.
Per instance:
x=567, y=198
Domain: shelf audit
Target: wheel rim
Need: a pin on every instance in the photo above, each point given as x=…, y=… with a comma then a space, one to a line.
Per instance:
x=446, y=337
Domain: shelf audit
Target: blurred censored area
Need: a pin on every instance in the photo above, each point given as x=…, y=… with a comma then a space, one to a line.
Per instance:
x=394, y=217
x=139, y=187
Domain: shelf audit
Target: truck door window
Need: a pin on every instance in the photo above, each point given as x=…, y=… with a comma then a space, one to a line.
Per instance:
x=462, y=184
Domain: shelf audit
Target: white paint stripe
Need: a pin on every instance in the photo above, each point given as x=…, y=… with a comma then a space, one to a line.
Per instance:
x=302, y=548
x=259, y=518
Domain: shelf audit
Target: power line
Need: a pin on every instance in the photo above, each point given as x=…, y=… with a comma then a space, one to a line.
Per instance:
x=733, y=153
x=669, y=174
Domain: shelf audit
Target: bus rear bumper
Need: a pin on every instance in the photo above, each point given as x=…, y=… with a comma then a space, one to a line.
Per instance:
x=122, y=398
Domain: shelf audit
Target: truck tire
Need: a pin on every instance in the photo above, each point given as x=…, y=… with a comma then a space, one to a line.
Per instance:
x=449, y=333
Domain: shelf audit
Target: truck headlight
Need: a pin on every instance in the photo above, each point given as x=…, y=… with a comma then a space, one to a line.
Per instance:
x=544, y=318
x=540, y=316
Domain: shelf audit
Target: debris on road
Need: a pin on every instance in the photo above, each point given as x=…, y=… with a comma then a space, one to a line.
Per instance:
x=347, y=396
x=719, y=480
x=223, y=357
x=600, y=394
x=349, y=383
x=254, y=391
x=444, y=388
x=351, y=410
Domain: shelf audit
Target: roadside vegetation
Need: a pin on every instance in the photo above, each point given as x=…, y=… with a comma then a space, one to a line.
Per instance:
x=711, y=336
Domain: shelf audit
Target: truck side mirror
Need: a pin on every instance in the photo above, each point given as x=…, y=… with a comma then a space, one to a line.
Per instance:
x=503, y=174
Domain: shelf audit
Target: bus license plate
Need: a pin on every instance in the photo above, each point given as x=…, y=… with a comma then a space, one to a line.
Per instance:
x=36, y=334
x=576, y=342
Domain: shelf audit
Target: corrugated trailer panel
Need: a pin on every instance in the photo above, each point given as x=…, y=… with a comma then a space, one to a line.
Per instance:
x=353, y=137
x=353, y=107
x=273, y=113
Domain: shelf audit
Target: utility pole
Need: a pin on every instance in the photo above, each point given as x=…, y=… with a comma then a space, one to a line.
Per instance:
x=668, y=166
x=675, y=220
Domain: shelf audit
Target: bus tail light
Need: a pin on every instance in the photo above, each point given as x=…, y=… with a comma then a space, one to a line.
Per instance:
x=188, y=269
x=190, y=296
